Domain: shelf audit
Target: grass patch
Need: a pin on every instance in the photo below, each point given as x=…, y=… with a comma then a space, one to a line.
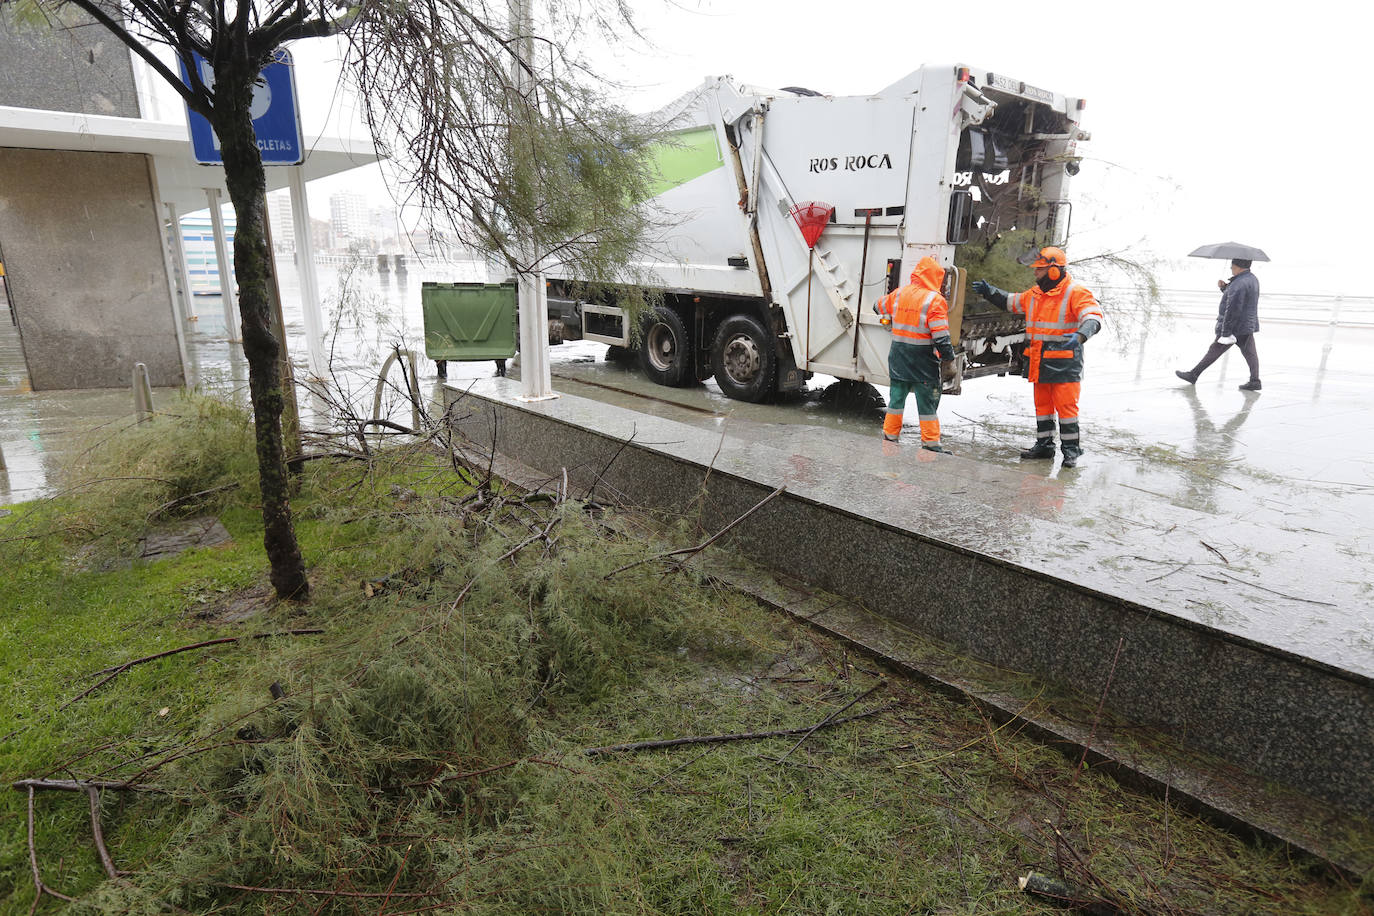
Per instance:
x=424, y=753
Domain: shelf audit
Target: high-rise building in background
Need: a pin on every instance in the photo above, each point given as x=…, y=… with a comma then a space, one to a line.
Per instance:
x=350, y=218
x=283, y=221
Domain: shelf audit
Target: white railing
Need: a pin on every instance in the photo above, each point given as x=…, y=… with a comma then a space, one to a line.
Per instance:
x=1281, y=308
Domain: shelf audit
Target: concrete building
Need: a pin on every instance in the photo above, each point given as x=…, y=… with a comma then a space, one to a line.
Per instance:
x=95, y=169
x=283, y=222
x=350, y=218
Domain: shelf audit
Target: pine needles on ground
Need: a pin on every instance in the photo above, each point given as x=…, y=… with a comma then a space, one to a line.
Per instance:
x=424, y=752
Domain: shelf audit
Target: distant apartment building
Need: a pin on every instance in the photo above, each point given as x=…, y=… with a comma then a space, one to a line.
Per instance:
x=350, y=218
x=283, y=222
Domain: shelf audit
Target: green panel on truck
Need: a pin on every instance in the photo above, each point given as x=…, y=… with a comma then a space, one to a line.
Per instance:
x=682, y=156
x=469, y=320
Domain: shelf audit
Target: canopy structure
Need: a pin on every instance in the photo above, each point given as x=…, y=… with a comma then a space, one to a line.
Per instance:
x=1229, y=250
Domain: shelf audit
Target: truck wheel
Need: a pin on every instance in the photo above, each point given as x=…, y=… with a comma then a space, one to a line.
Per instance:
x=744, y=360
x=665, y=353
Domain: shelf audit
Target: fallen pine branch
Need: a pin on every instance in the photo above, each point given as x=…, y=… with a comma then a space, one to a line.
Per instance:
x=115, y=670
x=39, y=887
x=78, y=785
x=738, y=736
x=322, y=892
x=98, y=832
x=704, y=544
x=190, y=496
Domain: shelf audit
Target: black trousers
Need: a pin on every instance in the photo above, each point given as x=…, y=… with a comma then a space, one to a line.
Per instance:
x=1246, y=344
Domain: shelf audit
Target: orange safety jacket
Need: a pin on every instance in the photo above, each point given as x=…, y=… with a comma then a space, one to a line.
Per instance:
x=1050, y=317
x=920, y=324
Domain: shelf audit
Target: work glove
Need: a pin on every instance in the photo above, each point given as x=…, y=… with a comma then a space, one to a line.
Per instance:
x=982, y=288
x=1227, y=340
x=1073, y=340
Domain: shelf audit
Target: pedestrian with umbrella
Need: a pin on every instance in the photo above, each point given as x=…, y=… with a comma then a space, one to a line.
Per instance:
x=1238, y=314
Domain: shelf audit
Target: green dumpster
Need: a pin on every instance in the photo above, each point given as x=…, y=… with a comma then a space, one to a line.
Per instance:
x=465, y=321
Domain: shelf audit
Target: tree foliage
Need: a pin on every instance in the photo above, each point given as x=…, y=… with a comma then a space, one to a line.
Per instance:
x=511, y=142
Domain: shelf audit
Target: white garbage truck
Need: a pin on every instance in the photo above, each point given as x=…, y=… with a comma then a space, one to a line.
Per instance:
x=787, y=213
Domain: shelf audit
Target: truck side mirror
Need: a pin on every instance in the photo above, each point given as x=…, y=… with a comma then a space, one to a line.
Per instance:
x=960, y=216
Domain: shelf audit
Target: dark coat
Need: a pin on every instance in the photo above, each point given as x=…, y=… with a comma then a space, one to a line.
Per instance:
x=1238, y=313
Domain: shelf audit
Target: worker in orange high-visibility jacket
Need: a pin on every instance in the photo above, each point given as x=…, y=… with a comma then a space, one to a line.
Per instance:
x=1060, y=316
x=918, y=317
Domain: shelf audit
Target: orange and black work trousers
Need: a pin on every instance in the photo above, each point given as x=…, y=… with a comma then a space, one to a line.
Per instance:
x=927, y=402
x=1058, y=398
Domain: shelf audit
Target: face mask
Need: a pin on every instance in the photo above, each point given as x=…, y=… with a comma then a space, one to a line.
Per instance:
x=1046, y=284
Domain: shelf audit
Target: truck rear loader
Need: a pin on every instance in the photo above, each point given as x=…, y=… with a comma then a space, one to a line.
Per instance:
x=946, y=156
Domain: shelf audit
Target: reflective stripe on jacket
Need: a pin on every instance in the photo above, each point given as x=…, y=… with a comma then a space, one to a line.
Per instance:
x=920, y=319
x=1050, y=317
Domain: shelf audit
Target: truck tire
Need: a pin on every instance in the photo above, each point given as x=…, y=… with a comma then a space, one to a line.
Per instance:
x=744, y=359
x=665, y=353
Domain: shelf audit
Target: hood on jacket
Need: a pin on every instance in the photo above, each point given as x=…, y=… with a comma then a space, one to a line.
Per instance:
x=928, y=274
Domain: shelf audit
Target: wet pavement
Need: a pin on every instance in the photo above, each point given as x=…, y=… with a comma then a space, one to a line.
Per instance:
x=1249, y=512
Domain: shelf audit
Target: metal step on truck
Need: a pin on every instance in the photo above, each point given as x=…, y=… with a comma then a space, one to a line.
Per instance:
x=789, y=213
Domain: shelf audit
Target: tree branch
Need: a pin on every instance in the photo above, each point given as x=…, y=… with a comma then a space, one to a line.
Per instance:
x=116, y=670
x=738, y=736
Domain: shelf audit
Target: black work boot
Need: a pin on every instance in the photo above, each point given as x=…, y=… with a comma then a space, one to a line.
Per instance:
x=1068, y=442
x=1252, y=385
x=1043, y=448
x=1190, y=377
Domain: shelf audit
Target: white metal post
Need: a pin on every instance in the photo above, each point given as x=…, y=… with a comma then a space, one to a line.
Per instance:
x=535, y=378
x=305, y=269
x=226, y=268
x=179, y=249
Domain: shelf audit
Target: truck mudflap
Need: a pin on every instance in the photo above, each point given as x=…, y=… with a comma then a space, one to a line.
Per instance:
x=790, y=378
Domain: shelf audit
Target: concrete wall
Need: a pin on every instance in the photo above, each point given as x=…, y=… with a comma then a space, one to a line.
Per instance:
x=83, y=252
x=73, y=65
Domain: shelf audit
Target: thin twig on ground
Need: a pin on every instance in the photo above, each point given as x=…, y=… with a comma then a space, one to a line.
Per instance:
x=1215, y=551
x=821, y=724
x=737, y=736
x=114, y=671
x=94, y=794
x=39, y=887
x=591, y=489
x=1273, y=592
x=190, y=496
x=688, y=551
x=78, y=785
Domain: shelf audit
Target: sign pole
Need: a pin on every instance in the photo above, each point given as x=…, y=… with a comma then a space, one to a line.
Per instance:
x=305, y=269
x=535, y=377
x=226, y=268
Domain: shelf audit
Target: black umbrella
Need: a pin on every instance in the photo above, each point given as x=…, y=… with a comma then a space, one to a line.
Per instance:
x=1229, y=250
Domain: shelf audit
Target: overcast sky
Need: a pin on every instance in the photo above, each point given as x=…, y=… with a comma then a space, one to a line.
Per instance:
x=1207, y=124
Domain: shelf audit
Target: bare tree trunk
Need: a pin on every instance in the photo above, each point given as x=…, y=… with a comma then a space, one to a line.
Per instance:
x=243, y=172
